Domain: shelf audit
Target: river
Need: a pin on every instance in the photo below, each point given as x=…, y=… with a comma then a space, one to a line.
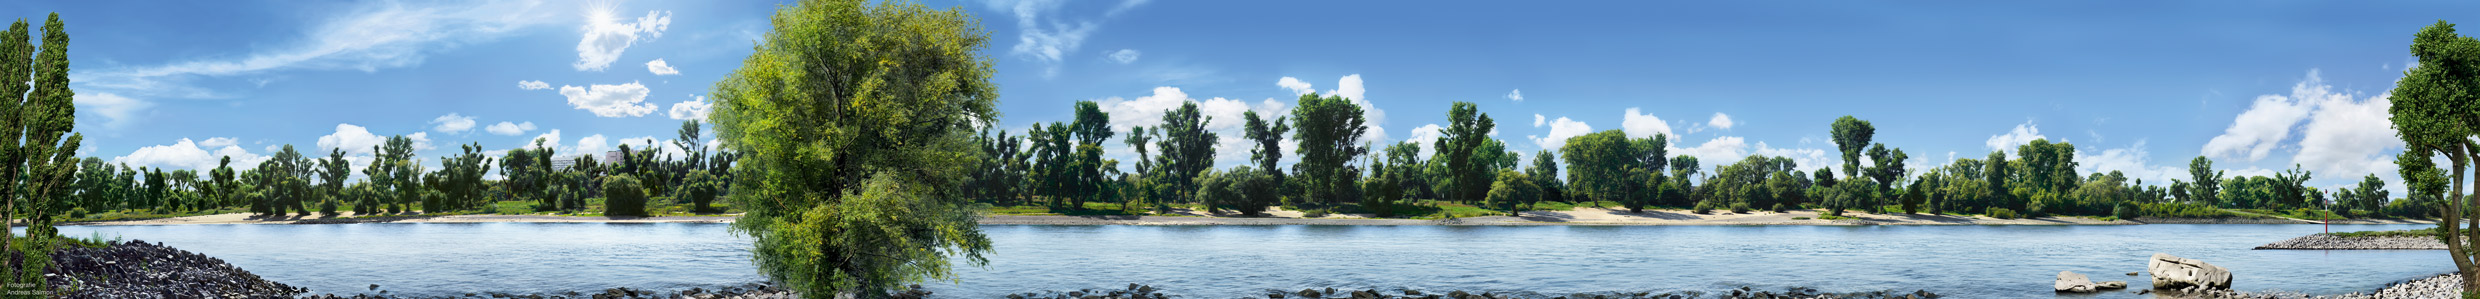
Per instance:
x=1246, y=261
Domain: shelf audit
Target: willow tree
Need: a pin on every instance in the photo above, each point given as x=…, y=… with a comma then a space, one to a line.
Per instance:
x=2434, y=108
x=41, y=167
x=854, y=124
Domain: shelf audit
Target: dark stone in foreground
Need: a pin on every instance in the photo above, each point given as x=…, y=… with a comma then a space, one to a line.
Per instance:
x=137, y=269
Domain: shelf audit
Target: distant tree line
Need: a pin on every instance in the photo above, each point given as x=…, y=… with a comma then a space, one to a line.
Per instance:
x=1059, y=166
x=290, y=183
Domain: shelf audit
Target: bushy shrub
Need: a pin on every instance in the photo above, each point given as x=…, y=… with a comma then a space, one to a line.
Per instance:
x=1704, y=208
x=1739, y=208
x=623, y=197
x=2003, y=213
x=2125, y=211
x=1778, y=208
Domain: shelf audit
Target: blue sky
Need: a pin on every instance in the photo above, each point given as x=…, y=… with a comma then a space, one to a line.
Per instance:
x=2138, y=86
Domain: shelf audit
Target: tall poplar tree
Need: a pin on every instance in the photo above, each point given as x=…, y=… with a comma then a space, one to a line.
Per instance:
x=43, y=164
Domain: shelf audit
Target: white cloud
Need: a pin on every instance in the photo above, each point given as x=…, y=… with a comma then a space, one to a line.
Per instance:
x=367, y=37
x=2022, y=134
x=453, y=123
x=549, y=140
x=2347, y=138
x=606, y=37
x=1724, y=150
x=119, y=109
x=1124, y=56
x=1516, y=95
x=1295, y=85
x=185, y=154
x=1560, y=130
x=532, y=85
x=1720, y=121
x=2255, y=133
x=1427, y=136
x=658, y=67
x=1721, y=150
x=624, y=100
x=2132, y=161
x=1043, y=36
x=1538, y=120
x=691, y=109
x=1641, y=125
x=359, y=141
x=1350, y=88
x=593, y=145
x=509, y=129
x=219, y=141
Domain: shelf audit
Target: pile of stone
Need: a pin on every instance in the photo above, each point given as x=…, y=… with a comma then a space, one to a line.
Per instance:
x=137, y=269
x=2331, y=242
x=1134, y=291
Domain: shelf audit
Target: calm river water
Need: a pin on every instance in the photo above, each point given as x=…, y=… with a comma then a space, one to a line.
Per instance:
x=1238, y=261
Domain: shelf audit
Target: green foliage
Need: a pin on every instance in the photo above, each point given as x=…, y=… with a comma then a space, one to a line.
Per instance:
x=623, y=196
x=2003, y=213
x=1739, y=207
x=43, y=164
x=1852, y=135
x=853, y=121
x=1703, y=207
x=1513, y=191
x=1187, y=151
x=1460, y=149
x=1328, y=130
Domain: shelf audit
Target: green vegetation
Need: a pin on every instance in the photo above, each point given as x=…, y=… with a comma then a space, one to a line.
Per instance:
x=623, y=197
x=2433, y=112
x=855, y=121
x=40, y=168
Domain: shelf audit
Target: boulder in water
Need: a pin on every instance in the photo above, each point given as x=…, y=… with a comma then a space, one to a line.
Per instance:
x=2110, y=285
x=2173, y=272
x=2069, y=282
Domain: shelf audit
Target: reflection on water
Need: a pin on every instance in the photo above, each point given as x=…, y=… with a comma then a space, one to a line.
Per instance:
x=1236, y=261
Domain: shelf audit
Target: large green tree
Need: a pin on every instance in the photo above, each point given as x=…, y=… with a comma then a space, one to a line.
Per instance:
x=853, y=120
x=1329, y=129
x=1460, y=147
x=1852, y=135
x=2207, y=183
x=1187, y=150
x=42, y=165
x=2435, y=107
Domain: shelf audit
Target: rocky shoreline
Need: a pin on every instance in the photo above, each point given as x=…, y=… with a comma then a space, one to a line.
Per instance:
x=2434, y=287
x=2332, y=242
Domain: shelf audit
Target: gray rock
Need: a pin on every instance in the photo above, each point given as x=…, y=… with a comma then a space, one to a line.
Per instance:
x=2111, y=285
x=2172, y=272
x=2069, y=282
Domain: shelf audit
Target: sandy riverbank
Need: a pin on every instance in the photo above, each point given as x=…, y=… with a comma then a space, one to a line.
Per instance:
x=244, y=218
